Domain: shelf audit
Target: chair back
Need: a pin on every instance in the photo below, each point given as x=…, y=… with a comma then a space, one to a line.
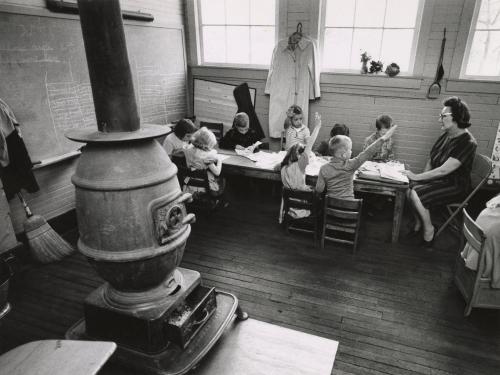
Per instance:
x=196, y=178
x=215, y=127
x=301, y=200
x=283, y=140
x=341, y=216
x=473, y=233
x=481, y=169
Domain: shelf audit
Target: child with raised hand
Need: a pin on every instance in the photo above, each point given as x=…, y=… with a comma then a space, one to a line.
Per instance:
x=338, y=129
x=293, y=166
x=295, y=130
x=240, y=136
x=175, y=143
x=383, y=123
x=337, y=175
x=202, y=156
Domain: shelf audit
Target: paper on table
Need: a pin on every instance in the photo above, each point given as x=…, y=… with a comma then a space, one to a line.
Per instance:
x=267, y=160
x=314, y=165
x=390, y=171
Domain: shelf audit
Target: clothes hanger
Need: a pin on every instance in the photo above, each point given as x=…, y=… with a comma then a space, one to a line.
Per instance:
x=296, y=37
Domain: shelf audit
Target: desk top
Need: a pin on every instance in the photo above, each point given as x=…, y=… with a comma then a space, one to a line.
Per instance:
x=253, y=347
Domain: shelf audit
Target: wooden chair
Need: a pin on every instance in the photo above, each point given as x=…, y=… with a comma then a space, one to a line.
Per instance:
x=57, y=357
x=475, y=289
x=481, y=169
x=341, y=216
x=301, y=200
x=283, y=140
x=215, y=127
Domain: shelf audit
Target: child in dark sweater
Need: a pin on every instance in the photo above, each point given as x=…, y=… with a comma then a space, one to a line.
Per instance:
x=240, y=136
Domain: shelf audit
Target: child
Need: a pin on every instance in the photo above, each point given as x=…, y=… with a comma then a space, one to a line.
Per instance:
x=383, y=124
x=202, y=156
x=337, y=175
x=293, y=166
x=175, y=143
x=338, y=129
x=240, y=136
x=295, y=130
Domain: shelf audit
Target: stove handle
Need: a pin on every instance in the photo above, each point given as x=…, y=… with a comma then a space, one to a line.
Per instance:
x=189, y=219
x=186, y=197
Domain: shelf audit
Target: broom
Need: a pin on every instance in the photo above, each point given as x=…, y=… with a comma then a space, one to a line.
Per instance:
x=45, y=244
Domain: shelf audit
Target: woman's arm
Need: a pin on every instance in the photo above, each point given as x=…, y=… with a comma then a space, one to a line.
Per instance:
x=428, y=166
x=450, y=165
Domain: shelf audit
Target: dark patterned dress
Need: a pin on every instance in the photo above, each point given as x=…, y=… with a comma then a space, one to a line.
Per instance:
x=455, y=186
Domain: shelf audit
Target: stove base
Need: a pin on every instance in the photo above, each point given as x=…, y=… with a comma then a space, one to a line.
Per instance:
x=173, y=360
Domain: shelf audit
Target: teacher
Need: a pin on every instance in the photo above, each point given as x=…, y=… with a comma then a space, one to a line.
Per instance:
x=446, y=176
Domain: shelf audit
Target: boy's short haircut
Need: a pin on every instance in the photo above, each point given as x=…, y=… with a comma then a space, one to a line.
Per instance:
x=183, y=127
x=339, y=129
x=337, y=143
x=241, y=120
x=204, y=139
x=383, y=121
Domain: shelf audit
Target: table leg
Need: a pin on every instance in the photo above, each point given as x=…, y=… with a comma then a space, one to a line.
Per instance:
x=399, y=202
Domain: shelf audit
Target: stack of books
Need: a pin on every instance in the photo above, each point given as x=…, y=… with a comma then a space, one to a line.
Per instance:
x=386, y=172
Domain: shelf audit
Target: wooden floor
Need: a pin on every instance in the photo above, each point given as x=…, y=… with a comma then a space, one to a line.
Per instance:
x=393, y=309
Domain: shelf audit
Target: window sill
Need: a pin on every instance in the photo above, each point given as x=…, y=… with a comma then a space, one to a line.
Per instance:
x=372, y=80
x=476, y=86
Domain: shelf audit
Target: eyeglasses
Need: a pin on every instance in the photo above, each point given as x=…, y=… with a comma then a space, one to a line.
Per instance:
x=443, y=115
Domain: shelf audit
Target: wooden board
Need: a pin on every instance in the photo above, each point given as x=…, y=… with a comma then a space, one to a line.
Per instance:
x=214, y=102
x=46, y=83
x=255, y=347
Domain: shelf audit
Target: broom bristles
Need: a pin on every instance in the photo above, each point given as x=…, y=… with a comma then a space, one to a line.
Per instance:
x=45, y=244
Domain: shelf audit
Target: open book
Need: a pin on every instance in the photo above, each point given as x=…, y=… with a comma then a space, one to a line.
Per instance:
x=389, y=172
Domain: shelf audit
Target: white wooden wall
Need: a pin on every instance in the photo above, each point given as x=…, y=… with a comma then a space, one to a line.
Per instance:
x=56, y=195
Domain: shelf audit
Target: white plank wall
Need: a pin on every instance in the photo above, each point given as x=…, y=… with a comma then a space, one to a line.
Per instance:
x=357, y=105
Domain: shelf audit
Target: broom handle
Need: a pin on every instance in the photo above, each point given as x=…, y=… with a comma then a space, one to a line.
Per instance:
x=25, y=205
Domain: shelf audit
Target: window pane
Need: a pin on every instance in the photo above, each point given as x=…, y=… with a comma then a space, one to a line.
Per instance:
x=337, y=48
x=214, y=43
x=489, y=15
x=396, y=47
x=484, y=57
x=237, y=12
x=340, y=13
x=365, y=40
x=261, y=44
x=369, y=13
x=401, y=13
x=262, y=12
x=212, y=12
x=238, y=44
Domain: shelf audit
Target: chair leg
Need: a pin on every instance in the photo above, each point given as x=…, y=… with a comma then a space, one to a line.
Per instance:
x=468, y=309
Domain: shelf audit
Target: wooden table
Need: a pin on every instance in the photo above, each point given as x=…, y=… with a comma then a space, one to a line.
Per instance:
x=240, y=165
x=253, y=347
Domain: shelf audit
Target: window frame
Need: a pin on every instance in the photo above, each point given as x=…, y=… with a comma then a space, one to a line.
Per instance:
x=280, y=13
x=468, y=27
x=420, y=40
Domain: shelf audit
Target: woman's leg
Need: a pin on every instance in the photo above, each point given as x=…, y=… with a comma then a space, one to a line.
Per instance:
x=417, y=224
x=424, y=214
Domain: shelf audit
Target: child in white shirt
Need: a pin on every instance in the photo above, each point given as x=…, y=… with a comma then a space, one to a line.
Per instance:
x=175, y=143
x=295, y=130
x=201, y=155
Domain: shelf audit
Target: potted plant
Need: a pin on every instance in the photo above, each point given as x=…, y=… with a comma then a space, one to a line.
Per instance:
x=364, y=59
x=376, y=67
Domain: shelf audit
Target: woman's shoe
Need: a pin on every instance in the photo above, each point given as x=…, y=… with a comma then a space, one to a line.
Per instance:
x=429, y=245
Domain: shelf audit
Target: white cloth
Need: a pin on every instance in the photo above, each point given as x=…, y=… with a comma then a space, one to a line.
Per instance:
x=173, y=145
x=293, y=78
x=7, y=126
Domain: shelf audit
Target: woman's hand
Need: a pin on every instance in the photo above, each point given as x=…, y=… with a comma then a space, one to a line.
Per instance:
x=412, y=176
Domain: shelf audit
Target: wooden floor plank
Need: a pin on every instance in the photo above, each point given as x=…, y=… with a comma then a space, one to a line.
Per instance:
x=393, y=308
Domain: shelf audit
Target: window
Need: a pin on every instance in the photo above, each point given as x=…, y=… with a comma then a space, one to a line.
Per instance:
x=237, y=31
x=482, y=54
x=386, y=29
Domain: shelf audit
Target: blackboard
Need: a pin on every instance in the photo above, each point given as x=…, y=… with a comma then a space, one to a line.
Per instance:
x=44, y=78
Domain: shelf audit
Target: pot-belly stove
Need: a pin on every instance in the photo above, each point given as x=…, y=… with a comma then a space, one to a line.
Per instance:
x=133, y=223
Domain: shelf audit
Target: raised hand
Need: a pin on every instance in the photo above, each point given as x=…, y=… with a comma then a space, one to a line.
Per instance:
x=389, y=133
x=317, y=119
